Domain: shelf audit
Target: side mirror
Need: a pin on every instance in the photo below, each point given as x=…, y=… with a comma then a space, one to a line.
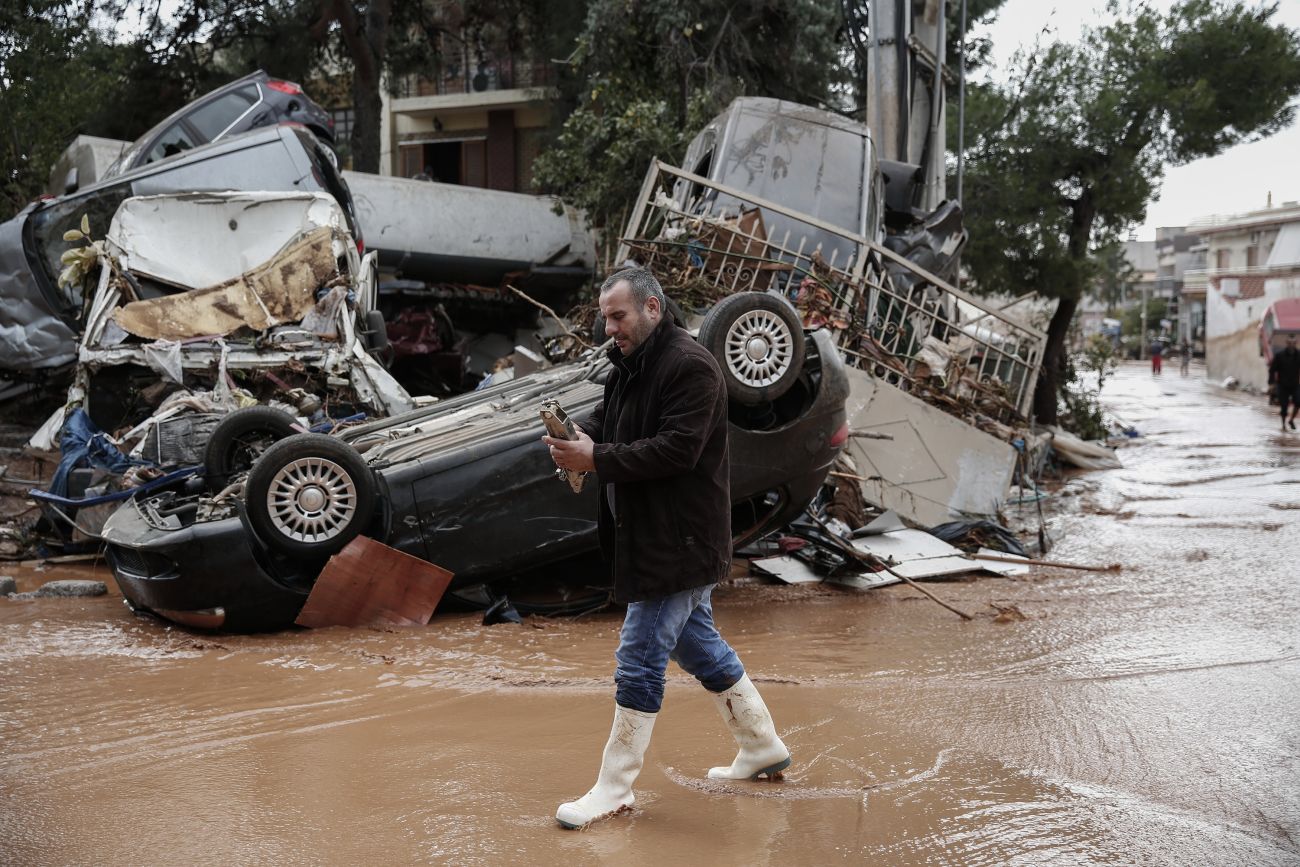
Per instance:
x=70, y=183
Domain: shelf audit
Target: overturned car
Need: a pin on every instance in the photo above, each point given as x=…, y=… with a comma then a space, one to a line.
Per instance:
x=467, y=484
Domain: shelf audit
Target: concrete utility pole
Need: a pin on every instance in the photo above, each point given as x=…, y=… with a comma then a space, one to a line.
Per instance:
x=906, y=101
x=1142, y=338
x=887, y=68
x=961, y=108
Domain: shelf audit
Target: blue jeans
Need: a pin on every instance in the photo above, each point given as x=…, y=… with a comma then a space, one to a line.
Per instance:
x=677, y=627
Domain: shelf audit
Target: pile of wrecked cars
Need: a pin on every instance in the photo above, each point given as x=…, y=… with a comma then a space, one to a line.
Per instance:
x=793, y=254
x=224, y=329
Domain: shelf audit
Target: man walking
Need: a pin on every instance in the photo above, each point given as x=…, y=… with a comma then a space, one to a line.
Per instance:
x=1157, y=352
x=1284, y=376
x=658, y=443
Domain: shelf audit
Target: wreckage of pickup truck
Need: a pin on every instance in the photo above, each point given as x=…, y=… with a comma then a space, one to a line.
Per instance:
x=218, y=323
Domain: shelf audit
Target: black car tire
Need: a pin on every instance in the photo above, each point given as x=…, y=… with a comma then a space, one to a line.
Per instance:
x=598, y=326
x=309, y=495
x=240, y=438
x=758, y=341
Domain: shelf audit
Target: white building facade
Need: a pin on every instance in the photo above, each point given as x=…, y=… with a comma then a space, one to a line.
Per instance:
x=1252, y=260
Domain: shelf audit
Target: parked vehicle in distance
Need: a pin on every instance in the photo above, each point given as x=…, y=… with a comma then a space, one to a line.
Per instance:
x=465, y=483
x=256, y=100
x=40, y=322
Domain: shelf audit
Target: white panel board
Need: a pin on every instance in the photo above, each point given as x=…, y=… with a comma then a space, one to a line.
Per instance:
x=937, y=468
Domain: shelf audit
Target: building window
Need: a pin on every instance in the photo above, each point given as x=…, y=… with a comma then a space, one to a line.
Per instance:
x=343, y=119
x=1252, y=256
x=1222, y=259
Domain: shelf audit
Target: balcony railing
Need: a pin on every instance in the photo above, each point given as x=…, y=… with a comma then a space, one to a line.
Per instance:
x=1241, y=271
x=497, y=72
x=889, y=316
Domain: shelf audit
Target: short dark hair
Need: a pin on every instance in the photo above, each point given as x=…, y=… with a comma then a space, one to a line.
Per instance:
x=643, y=283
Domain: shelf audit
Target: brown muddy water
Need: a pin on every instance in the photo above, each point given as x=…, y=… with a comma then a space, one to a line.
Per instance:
x=1150, y=716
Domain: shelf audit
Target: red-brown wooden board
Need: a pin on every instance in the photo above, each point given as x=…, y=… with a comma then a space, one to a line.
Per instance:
x=369, y=583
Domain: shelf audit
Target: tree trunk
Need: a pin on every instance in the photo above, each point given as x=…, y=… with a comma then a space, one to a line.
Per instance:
x=366, y=40
x=1083, y=212
x=368, y=106
x=1049, y=378
x=367, y=70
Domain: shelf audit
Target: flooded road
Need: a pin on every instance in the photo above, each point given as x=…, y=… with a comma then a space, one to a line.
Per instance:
x=1149, y=716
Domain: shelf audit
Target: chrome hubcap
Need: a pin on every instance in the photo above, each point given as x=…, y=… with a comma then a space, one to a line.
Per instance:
x=311, y=500
x=759, y=348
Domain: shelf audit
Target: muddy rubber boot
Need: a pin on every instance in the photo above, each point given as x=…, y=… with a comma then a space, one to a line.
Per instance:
x=761, y=751
x=619, y=766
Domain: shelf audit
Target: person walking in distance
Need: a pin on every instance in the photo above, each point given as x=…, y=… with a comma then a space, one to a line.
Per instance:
x=1284, y=376
x=1185, y=358
x=658, y=445
x=1157, y=351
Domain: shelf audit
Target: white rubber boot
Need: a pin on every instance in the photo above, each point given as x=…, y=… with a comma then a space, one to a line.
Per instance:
x=761, y=751
x=619, y=766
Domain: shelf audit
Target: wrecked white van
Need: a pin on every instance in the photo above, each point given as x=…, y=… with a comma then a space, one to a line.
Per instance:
x=211, y=302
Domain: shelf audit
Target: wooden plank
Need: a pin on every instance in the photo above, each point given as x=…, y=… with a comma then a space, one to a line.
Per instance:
x=368, y=583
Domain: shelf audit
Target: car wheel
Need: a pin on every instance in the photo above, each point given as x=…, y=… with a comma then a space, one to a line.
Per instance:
x=309, y=495
x=757, y=339
x=239, y=440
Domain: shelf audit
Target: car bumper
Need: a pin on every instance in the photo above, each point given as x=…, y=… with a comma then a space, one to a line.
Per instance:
x=205, y=575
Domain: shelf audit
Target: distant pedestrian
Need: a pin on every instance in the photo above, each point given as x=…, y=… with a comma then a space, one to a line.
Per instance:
x=658, y=443
x=1284, y=376
x=1185, y=360
x=1157, y=351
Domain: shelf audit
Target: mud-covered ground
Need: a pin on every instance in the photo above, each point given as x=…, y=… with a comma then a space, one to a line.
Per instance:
x=1149, y=716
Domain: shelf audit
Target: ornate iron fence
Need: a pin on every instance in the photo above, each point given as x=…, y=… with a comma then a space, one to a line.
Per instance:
x=889, y=316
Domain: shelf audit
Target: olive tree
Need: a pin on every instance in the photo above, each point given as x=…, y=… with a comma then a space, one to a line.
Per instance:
x=1067, y=154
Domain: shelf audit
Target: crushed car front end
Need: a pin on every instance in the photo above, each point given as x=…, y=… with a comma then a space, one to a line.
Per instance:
x=205, y=574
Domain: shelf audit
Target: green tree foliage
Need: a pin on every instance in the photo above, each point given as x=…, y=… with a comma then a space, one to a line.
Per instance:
x=1066, y=155
x=644, y=77
x=56, y=71
x=1115, y=274
x=1132, y=320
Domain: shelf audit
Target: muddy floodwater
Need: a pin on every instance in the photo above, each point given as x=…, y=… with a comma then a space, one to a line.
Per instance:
x=1146, y=716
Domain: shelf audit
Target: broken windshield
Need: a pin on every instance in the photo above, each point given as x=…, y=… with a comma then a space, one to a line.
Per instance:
x=47, y=227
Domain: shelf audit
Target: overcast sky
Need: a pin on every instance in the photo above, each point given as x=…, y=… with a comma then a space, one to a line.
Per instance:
x=1237, y=180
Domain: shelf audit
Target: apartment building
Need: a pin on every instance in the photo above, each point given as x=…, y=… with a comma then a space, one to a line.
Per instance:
x=1251, y=260
x=478, y=117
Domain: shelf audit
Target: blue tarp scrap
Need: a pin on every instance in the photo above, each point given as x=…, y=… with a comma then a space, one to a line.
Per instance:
x=85, y=445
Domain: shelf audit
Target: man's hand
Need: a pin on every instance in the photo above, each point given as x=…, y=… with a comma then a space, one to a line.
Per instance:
x=572, y=454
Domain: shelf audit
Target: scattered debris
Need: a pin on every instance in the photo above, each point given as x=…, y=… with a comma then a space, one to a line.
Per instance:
x=1006, y=565
x=8, y=585
x=909, y=553
x=979, y=534
x=1008, y=613
x=501, y=611
x=63, y=589
x=206, y=304
x=1056, y=564
x=1080, y=453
